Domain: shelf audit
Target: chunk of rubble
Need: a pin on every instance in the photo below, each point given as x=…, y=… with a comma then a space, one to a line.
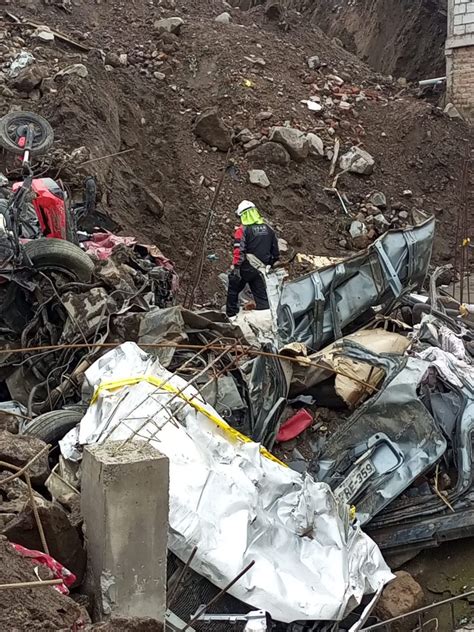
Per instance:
x=357, y=160
x=401, y=596
x=378, y=199
x=20, y=449
x=210, y=128
x=293, y=140
x=259, y=178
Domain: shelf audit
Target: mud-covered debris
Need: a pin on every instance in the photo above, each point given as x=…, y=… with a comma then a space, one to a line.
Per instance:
x=31, y=609
x=259, y=178
x=357, y=160
x=63, y=539
x=293, y=140
x=212, y=129
x=20, y=449
x=400, y=596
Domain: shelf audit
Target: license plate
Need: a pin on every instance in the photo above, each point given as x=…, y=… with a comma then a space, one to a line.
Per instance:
x=349, y=488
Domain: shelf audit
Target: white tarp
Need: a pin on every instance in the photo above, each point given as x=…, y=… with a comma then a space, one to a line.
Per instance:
x=232, y=501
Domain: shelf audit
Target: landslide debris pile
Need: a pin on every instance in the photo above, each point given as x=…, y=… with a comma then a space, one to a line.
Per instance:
x=140, y=78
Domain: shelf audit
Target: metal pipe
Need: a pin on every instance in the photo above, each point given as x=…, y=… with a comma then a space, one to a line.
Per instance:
x=431, y=82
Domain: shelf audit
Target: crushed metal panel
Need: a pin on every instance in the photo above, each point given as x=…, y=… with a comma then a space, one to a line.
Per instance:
x=317, y=308
x=396, y=412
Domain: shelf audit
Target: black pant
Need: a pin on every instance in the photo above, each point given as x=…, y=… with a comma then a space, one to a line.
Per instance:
x=248, y=275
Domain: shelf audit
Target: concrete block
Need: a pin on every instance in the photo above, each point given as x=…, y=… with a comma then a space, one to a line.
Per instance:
x=460, y=30
x=458, y=19
x=468, y=18
x=459, y=9
x=125, y=502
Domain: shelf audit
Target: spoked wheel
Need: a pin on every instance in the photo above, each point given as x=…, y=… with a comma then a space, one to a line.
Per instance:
x=13, y=127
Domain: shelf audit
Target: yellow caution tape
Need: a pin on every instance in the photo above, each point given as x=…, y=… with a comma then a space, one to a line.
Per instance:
x=169, y=388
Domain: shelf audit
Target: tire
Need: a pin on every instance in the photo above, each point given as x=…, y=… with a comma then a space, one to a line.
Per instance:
x=57, y=253
x=43, y=140
x=52, y=427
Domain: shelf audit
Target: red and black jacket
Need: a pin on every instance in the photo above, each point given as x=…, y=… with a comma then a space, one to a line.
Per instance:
x=258, y=240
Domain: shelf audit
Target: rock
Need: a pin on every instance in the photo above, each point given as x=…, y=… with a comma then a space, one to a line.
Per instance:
x=63, y=539
x=212, y=130
x=403, y=215
x=112, y=59
x=316, y=145
x=400, y=596
x=452, y=111
x=244, y=136
x=293, y=140
x=282, y=245
x=123, y=59
x=251, y=144
x=314, y=62
x=381, y=221
x=76, y=69
x=359, y=233
x=159, y=75
x=269, y=153
x=224, y=18
x=407, y=193
x=357, y=160
x=264, y=116
x=378, y=199
x=44, y=34
x=357, y=229
x=259, y=178
x=29, y=78
x=169, y=25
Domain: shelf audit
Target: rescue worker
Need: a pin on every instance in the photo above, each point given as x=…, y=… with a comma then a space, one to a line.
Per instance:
x=255, y=237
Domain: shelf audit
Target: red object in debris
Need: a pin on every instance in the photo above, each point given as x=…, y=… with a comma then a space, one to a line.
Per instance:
x=59, y=571
x=295, y=425
x=49, y=205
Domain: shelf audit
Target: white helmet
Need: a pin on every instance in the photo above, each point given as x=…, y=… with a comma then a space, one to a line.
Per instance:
x=244, y=206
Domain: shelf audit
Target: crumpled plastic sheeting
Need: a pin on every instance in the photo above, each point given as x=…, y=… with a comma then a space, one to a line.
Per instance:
x=232, y=502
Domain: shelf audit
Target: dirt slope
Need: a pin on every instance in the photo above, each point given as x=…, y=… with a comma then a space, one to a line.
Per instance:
x=161, y=190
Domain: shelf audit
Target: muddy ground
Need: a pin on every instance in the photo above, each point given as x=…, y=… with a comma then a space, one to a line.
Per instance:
x=161, y=189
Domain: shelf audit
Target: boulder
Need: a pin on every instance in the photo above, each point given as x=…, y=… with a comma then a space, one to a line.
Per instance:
x=269, y=154
x=29, y=78
x=357, y=160
x=44, y=34
x=381, y=221
x=224, y=18
x=212, y=130
x=314, y=62
x=402, y=595
x=19, y=449
x=259, y=178
x=169, y=25
x=359, y=233
x=293, y=140
x=378, y=199
x=316, y=145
